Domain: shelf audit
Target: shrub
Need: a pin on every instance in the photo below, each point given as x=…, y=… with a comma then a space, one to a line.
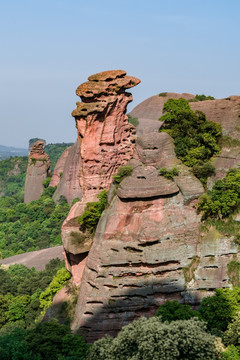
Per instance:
x=133, y=120
x=201, y=98
x=202, y=172
x=194, y=136
x=219, y=310
x=224, y=197
x=163, y=94
x=232, y=334
x=57, y=283
x=92, y=213
x=151, y=339
x=123, y=171
x=169, y=174
x=231, y=353
x=172, y=310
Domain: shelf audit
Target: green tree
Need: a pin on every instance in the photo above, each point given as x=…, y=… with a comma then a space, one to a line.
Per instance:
x=219, y=310
x=194, y=136
x=173, y=310
x=151, y=339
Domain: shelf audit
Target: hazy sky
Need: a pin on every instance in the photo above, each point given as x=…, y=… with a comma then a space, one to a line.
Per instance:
x=49, y=47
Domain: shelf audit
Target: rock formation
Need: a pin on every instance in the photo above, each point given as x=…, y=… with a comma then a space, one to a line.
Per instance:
x=149, y=246
x=105, y=142
x=66, y=174
x=38, y=170
x=105, y=136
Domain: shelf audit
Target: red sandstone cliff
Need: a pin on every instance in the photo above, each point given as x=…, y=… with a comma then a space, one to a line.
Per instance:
x=148, y=246
x=37, y=171
x=105, y=142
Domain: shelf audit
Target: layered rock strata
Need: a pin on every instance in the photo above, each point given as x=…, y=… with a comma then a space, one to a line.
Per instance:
x=144, y=240
x=37, y=171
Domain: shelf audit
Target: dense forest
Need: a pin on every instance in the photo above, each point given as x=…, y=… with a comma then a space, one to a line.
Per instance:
x=33, y=226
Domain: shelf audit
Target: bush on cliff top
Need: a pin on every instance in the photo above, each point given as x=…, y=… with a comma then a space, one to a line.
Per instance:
x=194, y=136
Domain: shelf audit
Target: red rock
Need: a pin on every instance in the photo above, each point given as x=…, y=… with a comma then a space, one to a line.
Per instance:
x=59, y=168
x=38, y=170
x=105, y=136
x=69, y=185
x=105, y=142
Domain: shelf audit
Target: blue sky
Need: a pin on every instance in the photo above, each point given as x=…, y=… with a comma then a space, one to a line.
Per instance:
x=49, y=47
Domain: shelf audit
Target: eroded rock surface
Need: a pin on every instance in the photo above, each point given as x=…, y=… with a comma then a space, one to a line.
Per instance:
x=105, y=142
x=149, y=246
x=37, y=171
x=69, y=185
x=105, y=136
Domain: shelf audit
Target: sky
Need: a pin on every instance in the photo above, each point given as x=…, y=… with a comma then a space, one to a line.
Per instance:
x=49, y=47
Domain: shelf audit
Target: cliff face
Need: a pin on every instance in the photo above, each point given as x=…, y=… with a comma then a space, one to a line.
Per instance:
x=149, y=246
x=37, y=171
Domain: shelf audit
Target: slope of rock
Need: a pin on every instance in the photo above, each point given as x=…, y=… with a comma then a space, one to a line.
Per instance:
x=37, y=172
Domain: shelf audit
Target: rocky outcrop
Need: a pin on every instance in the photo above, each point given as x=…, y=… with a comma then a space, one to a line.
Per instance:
x=149, y=246
x=105, y=142
x=59, y=168
x=144, y=240
x=68, y=170
x=38, y=170
x=223, y=111
x=105, y=136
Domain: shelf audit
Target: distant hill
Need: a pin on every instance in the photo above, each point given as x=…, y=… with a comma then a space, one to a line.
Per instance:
x=10, y=151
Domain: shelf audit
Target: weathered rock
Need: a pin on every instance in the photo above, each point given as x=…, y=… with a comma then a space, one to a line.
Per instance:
x=145, y=182
x=156, y=149
x=149, y=111
x=189, y=185
x=37, y=171
x=148, y=246
x=136, y=262
x=74, y=241
x=105, y=142
x=69, y=185
x=104, y=133
x=59, y=168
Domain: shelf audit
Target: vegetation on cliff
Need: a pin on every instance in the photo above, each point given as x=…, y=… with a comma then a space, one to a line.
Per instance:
x=195, y=138
x=89, y=219
x=224, y=197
